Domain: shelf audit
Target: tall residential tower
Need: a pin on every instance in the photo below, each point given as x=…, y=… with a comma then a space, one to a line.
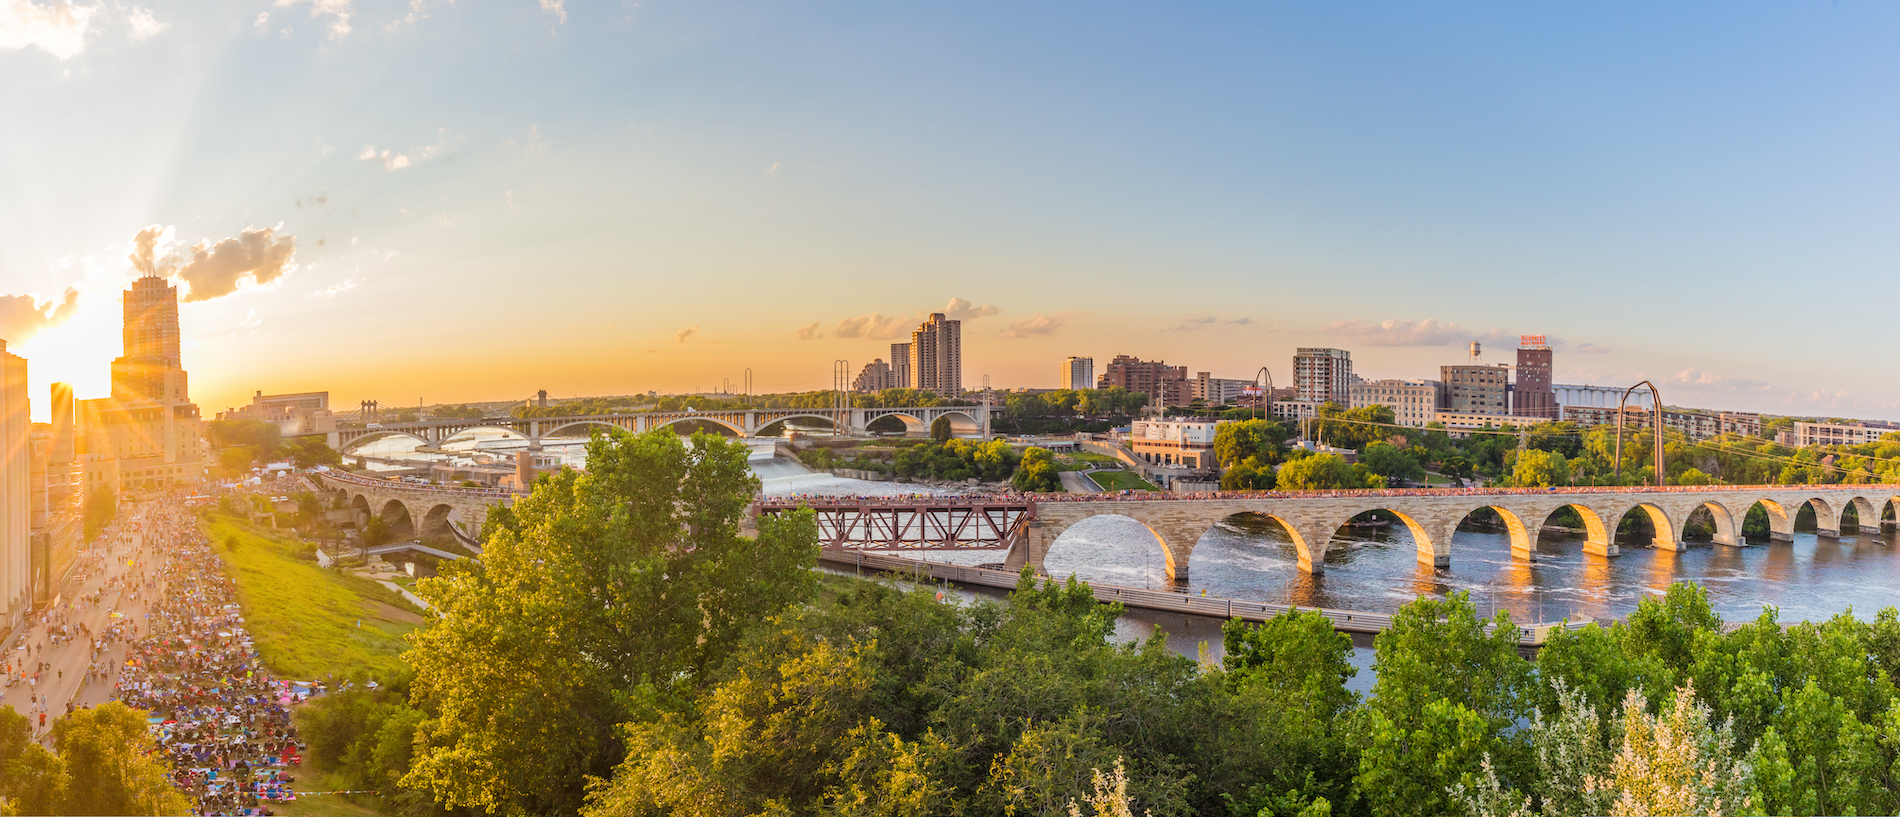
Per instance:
x=936, y=356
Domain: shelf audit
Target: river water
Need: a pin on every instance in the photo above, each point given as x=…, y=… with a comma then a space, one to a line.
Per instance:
x=1376, y=570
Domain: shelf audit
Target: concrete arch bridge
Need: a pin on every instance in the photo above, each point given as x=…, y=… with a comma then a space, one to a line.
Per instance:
x=743, y=423
x=1312, y=518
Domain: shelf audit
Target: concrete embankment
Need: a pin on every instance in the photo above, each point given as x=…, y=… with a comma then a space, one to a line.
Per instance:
x=1346, y=621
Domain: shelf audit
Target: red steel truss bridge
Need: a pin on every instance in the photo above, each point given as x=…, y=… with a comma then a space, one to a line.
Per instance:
x=912, y=523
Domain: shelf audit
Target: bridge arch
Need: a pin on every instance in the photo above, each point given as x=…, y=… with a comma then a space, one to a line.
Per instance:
x=913, y=425
x=397, y=521
x=780, y=420
x=359, y=503
x=1780, y=522
x=373, y=436
x=435, y=523
x=1866, y=516
x=512, y=432
x=962, y=422
x=735, y=428
x=1066, y=540
x=1598, y=536
x=601, y=424
x=1827, y=516
x=1433, y=551
x=1522, y=543
x=1664, y=530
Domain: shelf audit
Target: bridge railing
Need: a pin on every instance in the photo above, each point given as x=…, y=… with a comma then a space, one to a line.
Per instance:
x=394, y=485
x=1377, y=493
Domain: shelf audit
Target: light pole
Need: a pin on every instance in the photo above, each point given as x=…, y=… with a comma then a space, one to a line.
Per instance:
x=1655, y=399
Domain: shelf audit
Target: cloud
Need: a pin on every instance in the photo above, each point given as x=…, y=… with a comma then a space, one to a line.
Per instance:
x=334, y=290
x=1035, y=325
x=1703, y=381
x=810, y=331
x=57, y=28
x=683, y=334
x=874, y=327
x=1240, y=322
x=415, y=13
x=1590, y=349
x=962, y=310
x=340, y=9
x=22, y=317
x=314, y=201
x=391, y=160
x=556, y=8
x=533, y=144
x=144, y=25
x=251, y=318
x=216, y=270
x=1427, y=332
x=394, y=160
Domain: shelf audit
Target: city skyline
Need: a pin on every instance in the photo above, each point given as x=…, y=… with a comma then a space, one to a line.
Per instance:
x=1644, y=186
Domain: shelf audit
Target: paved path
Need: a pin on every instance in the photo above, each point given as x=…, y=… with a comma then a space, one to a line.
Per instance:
x=1075, y=483
x=120, y=554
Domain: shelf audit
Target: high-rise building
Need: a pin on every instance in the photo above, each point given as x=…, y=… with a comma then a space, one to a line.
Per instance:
x=936, y=356
x=1532, y=396
x=148, y=436
x=875, y=377
x=1322, y=375
x=1217, y=391
x=1165, y=385
x=1474, y=389
x=900, y=366
x=16, y=493
x=1078, y=373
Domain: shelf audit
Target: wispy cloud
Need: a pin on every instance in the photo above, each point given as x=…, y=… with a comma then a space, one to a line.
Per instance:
x=417, y=11
x=338, y=9
x=874, y=326
x=1035, y=325
x=1590, y=349
x=144, y=26
x=23, y=316
x=556, y=8
x=394, y=160
x=334, y=290
x=1427, y=332
x=1703, y=381
x=810, y=331
x=683, y=334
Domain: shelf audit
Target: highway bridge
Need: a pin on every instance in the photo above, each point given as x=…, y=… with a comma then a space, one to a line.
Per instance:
x=964, y=420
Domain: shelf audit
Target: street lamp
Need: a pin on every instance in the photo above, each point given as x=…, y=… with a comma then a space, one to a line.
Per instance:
x=1655, y=399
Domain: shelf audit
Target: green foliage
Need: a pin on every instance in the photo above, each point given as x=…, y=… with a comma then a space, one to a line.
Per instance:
x=32, y=779
x=106, y=755
x=1037, y=472
x=1263, y=441
x=940, y=429
x=1318, y=472
x=1540, y=469
x=616, y=588
x=1390, y=461
x=1368, y=423
x=1249, y=474
x=957, y=460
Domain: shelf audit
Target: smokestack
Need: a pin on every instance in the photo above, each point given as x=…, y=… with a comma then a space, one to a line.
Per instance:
x=524, y=471
x=62, y=424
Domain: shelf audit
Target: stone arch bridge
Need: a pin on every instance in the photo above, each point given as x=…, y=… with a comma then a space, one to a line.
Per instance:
x=1312, y=518
x=424, y=512
x=741, y=422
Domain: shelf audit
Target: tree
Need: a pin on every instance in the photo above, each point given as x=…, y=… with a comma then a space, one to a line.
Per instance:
x=1249, y=474
x=1036, y=472
x=1540, y=469
x=32, y=780
x=1262, y=440
x=1317, y=472
x=108, y=752
x=1677, y=761
x=308, y=452
x=940, y=429
x=614, y=590
x=1393, y=463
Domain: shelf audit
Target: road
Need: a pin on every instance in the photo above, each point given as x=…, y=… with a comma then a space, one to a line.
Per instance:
x=119, y=557
x=1075, y=483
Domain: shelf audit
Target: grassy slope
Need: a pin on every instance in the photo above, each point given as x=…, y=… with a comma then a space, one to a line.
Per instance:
x=305, y=618
x=1120, y=480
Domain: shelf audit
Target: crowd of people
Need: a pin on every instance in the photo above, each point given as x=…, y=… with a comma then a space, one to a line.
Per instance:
x=219, y=718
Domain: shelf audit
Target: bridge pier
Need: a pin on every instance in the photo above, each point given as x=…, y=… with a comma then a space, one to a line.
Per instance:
x=1827, y=533
x=1604, y=549
x=1866, y=530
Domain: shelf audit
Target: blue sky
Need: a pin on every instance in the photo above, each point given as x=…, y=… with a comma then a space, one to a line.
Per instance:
x=600, y=198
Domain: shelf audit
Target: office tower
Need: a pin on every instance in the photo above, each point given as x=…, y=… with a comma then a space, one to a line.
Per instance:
x=900, y=366
x=148, y=429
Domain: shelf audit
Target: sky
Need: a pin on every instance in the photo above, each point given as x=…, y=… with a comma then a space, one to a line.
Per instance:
x=422, y=200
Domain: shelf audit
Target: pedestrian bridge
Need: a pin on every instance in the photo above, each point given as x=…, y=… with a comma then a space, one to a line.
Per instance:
x=964, y=420
x=1311, y=518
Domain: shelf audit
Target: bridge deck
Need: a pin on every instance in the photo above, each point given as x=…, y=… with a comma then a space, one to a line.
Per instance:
x=1345, y=621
